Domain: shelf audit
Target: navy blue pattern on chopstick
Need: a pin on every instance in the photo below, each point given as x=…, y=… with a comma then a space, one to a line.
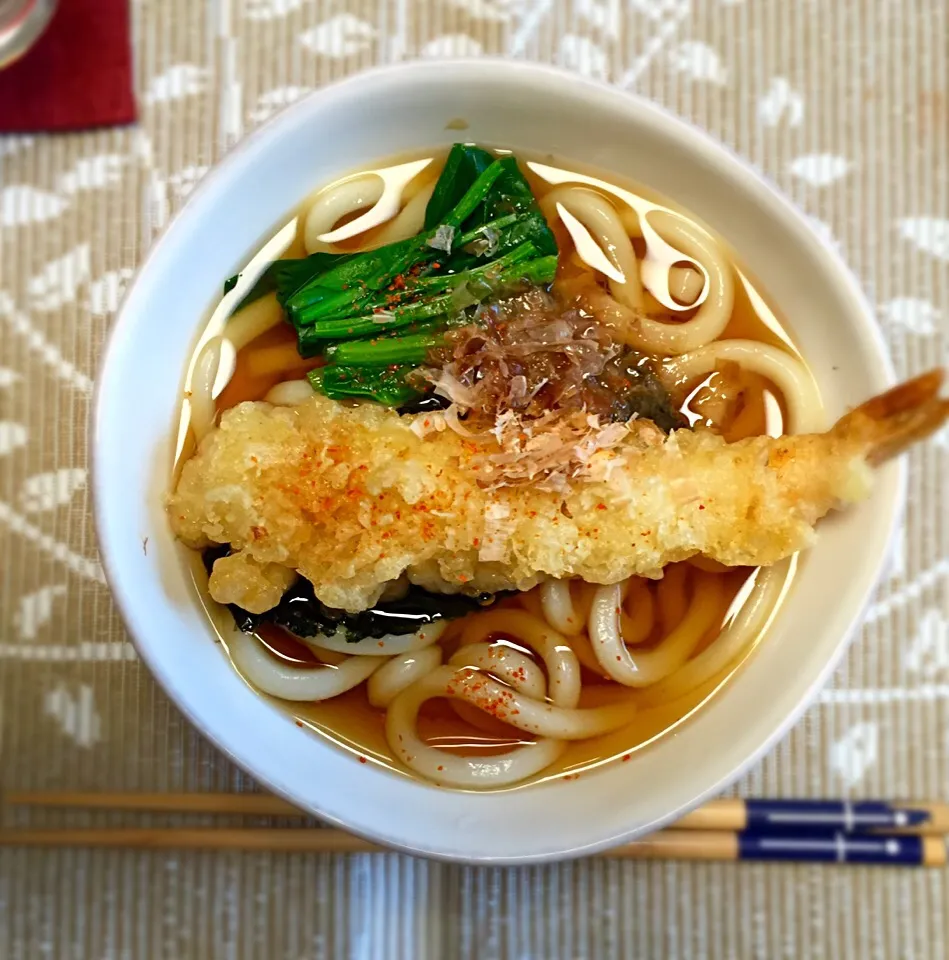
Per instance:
x=838, y=847
x=831, y=815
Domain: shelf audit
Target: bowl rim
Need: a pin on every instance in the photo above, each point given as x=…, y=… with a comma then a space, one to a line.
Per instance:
x=704, y=144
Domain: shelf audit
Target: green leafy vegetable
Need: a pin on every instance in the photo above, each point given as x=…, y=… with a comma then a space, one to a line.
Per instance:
x=411, y=349
x=285, y=277
x=385, y=385
x=464, y=165
x=484, y=234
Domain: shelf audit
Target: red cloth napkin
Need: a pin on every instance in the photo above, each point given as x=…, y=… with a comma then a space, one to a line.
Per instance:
x=79, y=73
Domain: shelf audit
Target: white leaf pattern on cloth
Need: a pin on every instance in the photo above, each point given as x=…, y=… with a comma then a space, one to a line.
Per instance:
x=855, y=753
x=604, y=15
x=491, y=11
x=105, y=292
x=177, y=82
x=928, y=234
x=897, y=567
x=76, y=713
x=12, y=436
x=185, y=180
x=453, y=45
x=824, y=231
x=8, y=377
x=13, y=143
x=59, y=281
x=46, y=491
x=270, y=102
x=270, y=9
x=928, y=652
x=59, y=551
x=698, y=61
x=92, y=173
x=157, y=208
x=36, y=609
x=820, y=169
x=343, y=36
x=47, y=351
x=584, y=56
x=21, y=204
x=659, y=9
x=781, y=102
x=912, y=314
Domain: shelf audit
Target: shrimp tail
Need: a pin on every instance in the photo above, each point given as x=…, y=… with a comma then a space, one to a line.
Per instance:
x=889, y=423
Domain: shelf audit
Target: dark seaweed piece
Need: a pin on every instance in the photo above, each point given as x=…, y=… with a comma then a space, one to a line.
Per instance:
x=428, y=403
x=300, y=613
x=638, y=392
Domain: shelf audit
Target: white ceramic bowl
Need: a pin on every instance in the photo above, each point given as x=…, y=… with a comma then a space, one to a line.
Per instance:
x=398, y=109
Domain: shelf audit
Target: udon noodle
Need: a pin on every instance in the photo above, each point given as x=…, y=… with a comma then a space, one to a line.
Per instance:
x=569, y=673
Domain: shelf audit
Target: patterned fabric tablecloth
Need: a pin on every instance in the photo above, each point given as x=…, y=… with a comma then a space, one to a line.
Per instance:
x=843, y=103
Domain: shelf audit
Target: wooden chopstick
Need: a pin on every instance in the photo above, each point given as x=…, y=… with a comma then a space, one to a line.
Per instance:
x=727, y=814
x=664, y=845
x=248, y=804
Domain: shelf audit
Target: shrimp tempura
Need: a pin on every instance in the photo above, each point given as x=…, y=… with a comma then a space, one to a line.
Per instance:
x=352, y=497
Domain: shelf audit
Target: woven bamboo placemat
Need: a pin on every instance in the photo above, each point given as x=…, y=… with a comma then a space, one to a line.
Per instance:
x=843, y=104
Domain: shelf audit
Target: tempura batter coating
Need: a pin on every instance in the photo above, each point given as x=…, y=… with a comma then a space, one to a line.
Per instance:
x=351, y=498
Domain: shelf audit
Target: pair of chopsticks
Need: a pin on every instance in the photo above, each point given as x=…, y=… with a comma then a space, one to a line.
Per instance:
x=819, y=831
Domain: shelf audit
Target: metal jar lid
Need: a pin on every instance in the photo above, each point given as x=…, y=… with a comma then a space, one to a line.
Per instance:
x=21, y=24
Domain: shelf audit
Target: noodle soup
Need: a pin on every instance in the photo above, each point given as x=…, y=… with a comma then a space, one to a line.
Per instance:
x=610, y=319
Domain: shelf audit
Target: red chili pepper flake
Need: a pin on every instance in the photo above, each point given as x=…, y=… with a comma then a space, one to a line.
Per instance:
x=362, y=760
x=299, y=723
x=601, y=506
x=626, y=757
x=701, y=506
x=439, y=767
